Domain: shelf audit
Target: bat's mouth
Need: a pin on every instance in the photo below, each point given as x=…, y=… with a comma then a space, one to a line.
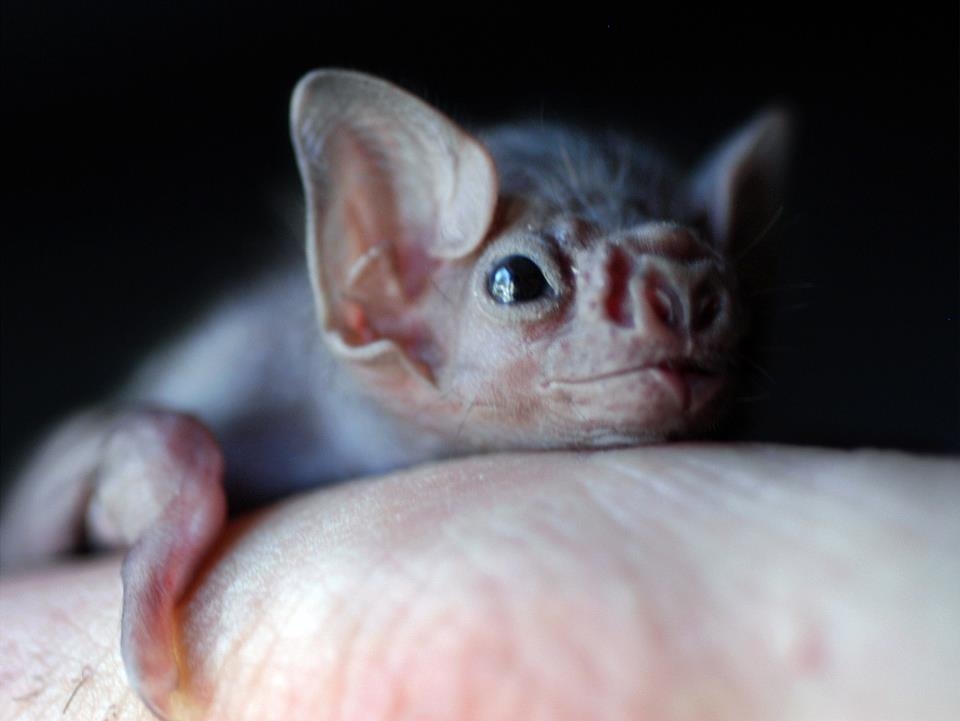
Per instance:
x=693, y=384
x=683, y=366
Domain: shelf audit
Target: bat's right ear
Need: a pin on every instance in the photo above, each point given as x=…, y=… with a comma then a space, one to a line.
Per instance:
x=394, y=188
x=737, y=191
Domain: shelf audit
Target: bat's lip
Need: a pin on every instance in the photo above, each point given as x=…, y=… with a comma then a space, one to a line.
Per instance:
x=693, y=384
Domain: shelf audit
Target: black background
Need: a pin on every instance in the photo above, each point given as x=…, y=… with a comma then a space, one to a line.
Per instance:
x=146, y=165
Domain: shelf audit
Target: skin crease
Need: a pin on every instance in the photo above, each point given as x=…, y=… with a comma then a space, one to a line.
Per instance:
x=679, y=582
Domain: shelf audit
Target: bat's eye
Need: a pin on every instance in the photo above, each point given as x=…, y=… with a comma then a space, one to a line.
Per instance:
x=517, y=279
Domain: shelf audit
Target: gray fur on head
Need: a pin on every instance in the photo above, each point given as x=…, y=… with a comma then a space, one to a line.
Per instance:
x=608, y=179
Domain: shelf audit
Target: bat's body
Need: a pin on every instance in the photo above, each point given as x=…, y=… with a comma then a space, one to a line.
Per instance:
x=286, y=413
x=537, y=288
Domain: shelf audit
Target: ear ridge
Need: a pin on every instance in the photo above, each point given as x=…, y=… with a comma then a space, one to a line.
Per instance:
x=474, y=186
x=325, y=101
x=744, y=177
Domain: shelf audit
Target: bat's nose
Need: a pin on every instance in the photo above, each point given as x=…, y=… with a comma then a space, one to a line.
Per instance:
x=681, y=299
x=668, y=298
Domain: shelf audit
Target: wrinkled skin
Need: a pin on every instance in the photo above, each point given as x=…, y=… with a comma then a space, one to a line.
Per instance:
x=680, y=582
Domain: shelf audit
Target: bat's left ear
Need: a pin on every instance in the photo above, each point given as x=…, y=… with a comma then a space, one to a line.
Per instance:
x=737, y=191
x=394, y=190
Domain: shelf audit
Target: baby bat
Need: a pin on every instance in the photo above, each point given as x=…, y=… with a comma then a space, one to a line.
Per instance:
x=533, y=287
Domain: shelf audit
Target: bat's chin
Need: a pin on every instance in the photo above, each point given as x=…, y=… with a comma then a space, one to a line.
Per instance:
x=638, y=404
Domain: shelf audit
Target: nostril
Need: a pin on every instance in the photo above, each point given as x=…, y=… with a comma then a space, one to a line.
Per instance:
x=664, y=302
x=708, y=304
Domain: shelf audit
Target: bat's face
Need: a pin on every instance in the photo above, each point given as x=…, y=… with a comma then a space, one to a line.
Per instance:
x=541, y=288
x=569, y=336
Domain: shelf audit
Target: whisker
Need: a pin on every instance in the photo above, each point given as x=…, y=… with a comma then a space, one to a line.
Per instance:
x=776, y=348
x=784, y=287
x=753, y=399
x=778, y=213
x=463, y=420
x=568, y=165
x=437, y=288
x=580, y=417
x=757, y=367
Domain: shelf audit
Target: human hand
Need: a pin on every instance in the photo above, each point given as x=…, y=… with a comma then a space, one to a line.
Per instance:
x=675, y=582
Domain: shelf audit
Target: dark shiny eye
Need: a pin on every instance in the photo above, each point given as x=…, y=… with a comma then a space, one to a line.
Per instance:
x=517, y=279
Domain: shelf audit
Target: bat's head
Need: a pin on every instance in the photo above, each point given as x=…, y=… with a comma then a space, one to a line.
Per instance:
x=540, y=288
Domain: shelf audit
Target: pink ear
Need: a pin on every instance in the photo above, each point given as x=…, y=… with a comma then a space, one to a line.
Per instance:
x=393, y=189
x=738, y=189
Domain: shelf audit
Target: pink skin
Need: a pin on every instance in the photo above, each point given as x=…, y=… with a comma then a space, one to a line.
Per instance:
x=585, y=371
x=683, y=582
